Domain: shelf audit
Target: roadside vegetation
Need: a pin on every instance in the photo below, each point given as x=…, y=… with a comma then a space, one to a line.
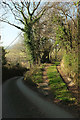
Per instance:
x=11, y=68
x=58, y=87
x=34, y=75
x=12, y=71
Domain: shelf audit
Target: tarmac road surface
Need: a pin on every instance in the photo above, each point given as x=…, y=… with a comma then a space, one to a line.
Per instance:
x=19, y=101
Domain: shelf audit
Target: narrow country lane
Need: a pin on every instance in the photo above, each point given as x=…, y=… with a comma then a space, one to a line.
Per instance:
x=14, y=103
x=19, y=101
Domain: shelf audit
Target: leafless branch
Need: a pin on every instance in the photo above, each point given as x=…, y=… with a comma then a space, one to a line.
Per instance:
x=66, y=14
x=28, y=8
x=72, y=20
x=36, y=7
x=12, y=25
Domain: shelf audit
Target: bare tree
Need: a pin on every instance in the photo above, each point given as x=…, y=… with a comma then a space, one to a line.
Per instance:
x=26, y=13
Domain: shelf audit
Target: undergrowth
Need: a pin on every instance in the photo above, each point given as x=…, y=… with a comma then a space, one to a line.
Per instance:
x=34, y=75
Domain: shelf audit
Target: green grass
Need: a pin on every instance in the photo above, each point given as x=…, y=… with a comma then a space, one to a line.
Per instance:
x=37, y=76
x=34, y=75
x=57, y=85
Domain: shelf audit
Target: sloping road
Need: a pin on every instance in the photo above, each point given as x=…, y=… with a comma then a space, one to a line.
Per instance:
x=19, y=101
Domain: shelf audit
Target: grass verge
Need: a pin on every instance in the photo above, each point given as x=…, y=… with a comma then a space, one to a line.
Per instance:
x=34, y=75
x=58, y=87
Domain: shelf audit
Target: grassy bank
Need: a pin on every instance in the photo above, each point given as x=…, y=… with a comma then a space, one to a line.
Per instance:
x=34, y=75
x=58, y=87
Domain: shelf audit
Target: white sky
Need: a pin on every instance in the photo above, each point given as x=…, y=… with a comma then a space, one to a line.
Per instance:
x=8, y=34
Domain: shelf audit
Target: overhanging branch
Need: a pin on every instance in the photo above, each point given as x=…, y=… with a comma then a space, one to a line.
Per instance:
x=13, y=25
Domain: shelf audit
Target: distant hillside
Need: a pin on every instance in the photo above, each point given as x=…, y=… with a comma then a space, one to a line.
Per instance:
x=17, y=54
